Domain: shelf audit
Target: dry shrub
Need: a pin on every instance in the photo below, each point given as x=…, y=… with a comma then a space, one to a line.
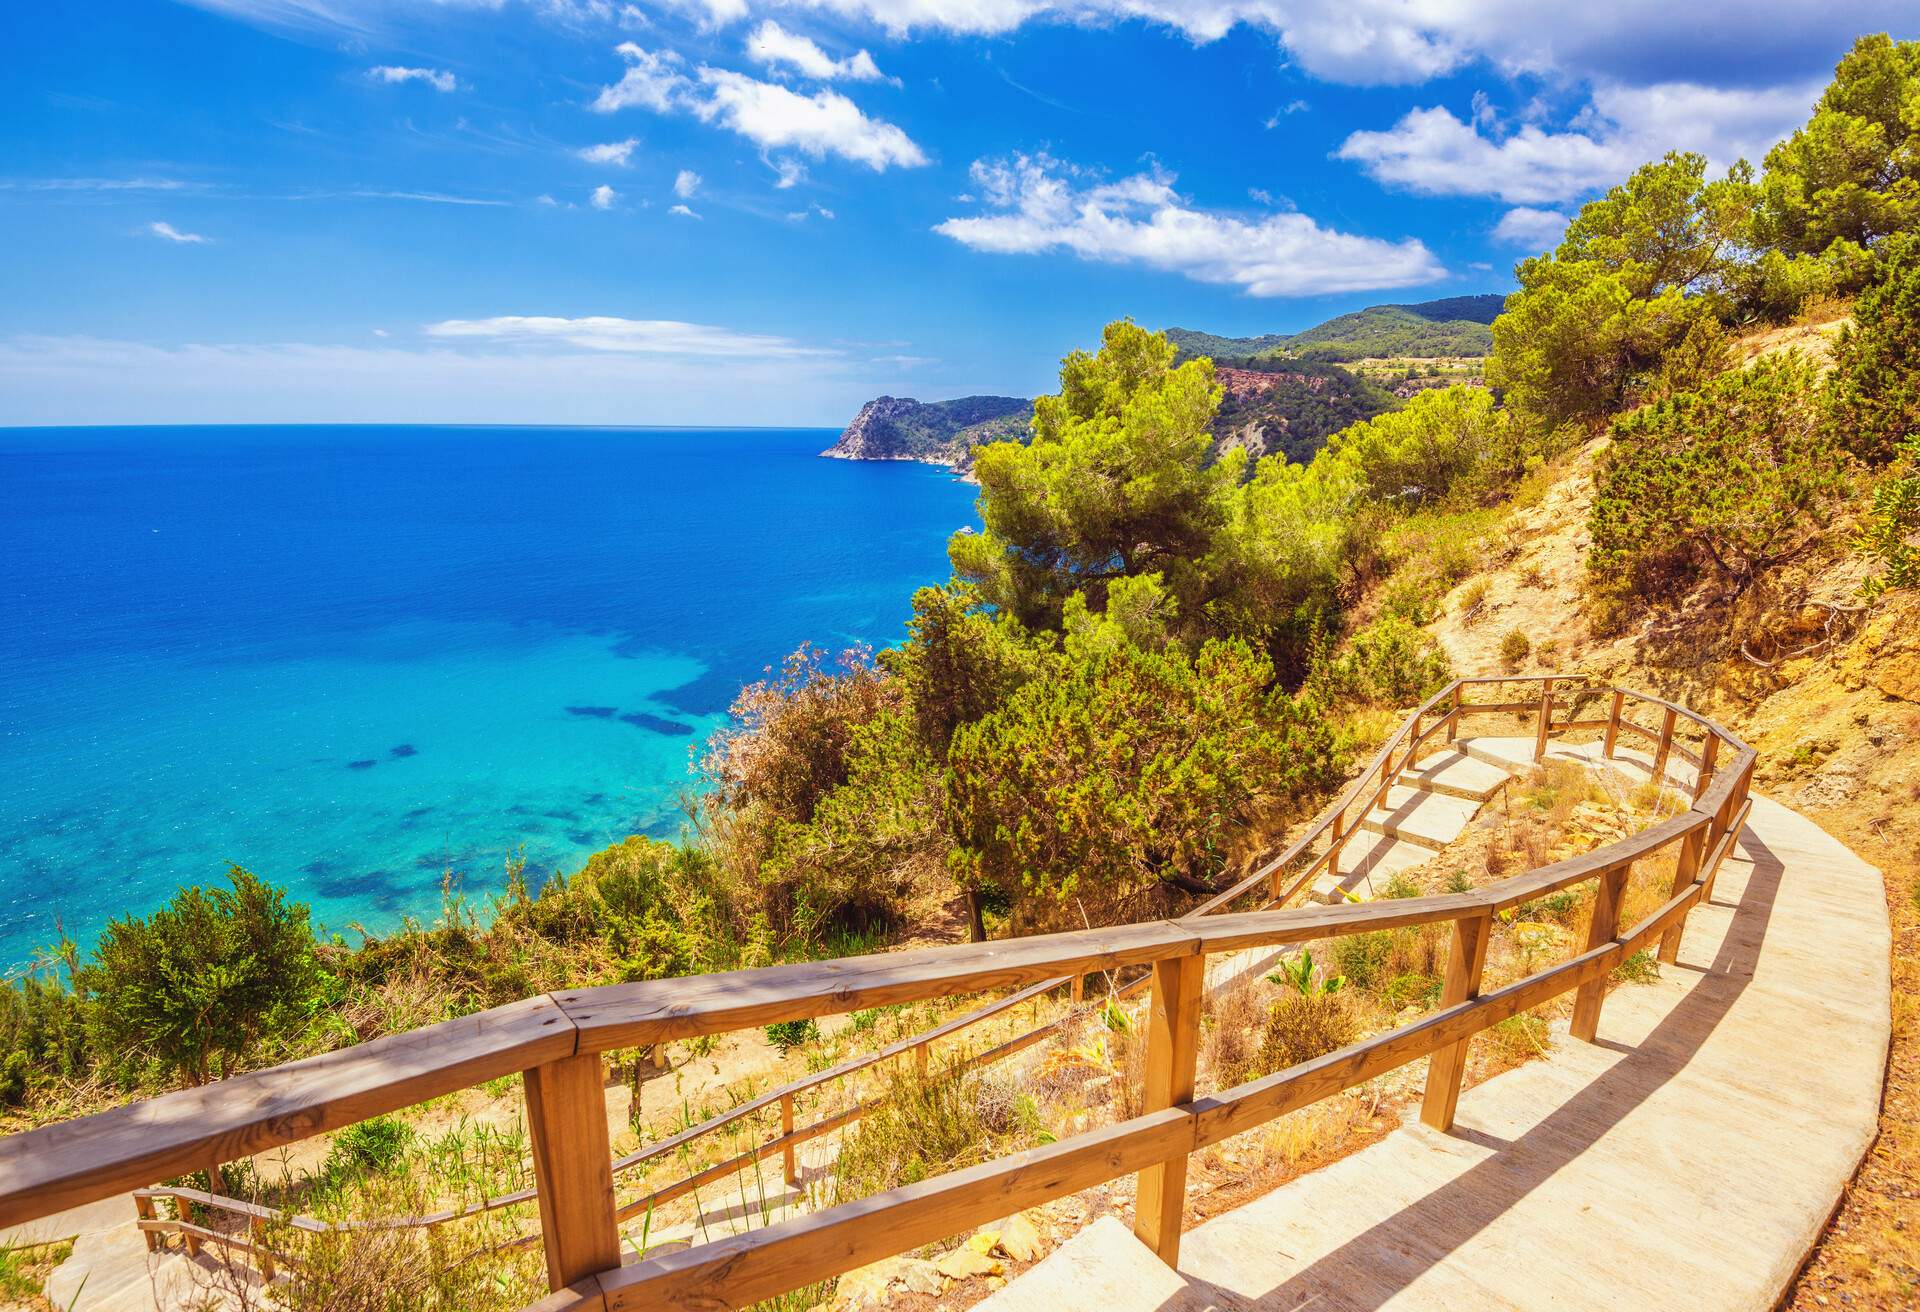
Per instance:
x=1517, y=1039
x=1232, y=1039
x=1302, y=1026
x=929, y=1124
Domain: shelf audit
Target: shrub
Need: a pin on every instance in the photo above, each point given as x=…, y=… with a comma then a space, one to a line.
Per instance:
x=1727, y=481
x=369, y=1147
x=1514, y=649
x=195, y=984
x=787, y=1035
x=1302, y=1026
x=1873, y=395
x=1133, y=768
x=928, y=1124
x=1886, y=534
x=1473, y=598
x=1389, y=663
x=1361, y=957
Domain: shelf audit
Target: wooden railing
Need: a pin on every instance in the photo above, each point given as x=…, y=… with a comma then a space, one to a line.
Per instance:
x=556, y=1041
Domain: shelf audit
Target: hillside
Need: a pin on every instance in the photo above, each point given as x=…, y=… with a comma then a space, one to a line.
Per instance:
x=936, y=432
x=1455, y=326
x=1293, y=407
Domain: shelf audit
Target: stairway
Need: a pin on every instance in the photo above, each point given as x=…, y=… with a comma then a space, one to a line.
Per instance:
x=1430, y=807
x=1690, y=1157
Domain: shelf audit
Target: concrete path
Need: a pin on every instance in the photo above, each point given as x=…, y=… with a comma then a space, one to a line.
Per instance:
x=1688, y=1159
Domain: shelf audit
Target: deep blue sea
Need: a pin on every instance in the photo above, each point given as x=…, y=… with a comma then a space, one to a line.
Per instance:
x=354, y=659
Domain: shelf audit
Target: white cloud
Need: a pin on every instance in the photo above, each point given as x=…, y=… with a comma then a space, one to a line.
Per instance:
x=772, y=116
x=801, y=216
x=1287, y=110
x=652, y=81
x=826, y=123
x=603, y=197
x=772, y=45
x=96, y=184
x=1373, y=42
x=1432, y=152
x=1038, y=204
x=171, y=233
x=685, y=183
x=682, y=211
x=642, y=336
x=437, y=78
x=1533, y=228
x=613, y=152
x=788, y=172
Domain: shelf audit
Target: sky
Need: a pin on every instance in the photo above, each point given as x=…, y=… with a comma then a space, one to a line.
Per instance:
x=770, y=211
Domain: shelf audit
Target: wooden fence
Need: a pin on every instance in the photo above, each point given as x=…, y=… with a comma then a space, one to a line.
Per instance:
x=557, y=1042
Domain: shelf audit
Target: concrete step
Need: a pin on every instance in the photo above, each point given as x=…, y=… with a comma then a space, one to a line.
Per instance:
x=1455, y=773
x=1412, y=815
x=1366, y=863
x=1101, y=1269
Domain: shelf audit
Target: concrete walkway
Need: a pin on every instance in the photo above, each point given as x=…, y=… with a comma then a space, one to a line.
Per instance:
x=1690, y=1158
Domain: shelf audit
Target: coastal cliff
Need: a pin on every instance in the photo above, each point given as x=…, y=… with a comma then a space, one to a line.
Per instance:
x=938, y=432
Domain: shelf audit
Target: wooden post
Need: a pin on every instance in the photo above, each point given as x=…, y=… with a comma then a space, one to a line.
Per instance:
x=1453, y=716
x=1601, y=930
x=144, y=1209
x=1613, y=725
x=1666, y=747
x=1173, y=1044
x=1686, y=869
x=1726, y=816
x=572, y=1168
x=257, y=1231
x=1078, y=989
x=920, y=1059
x=792, y=1168
x=1465, y=961
x=1708, y=753
x=1546, y=720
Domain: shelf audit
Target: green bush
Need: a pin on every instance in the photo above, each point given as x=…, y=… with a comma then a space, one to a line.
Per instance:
x=1724, y=482
x=1388, y=663
x=1130, y=768
x=1886, y=535
x=197, y=983
x=787, y=1035
x=370, y=1147
x=1873, y=394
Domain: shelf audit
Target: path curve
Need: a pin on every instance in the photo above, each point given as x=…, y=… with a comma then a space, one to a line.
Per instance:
x=1689, y=1158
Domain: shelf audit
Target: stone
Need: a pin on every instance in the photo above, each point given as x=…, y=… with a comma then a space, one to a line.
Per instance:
x=868, y=1286
x=965, y=1263
x=1020, y=1237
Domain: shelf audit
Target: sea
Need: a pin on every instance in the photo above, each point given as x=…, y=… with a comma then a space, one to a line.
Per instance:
x=368, y=663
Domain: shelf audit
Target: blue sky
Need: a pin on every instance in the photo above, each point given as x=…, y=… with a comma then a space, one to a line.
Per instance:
x=768, y=211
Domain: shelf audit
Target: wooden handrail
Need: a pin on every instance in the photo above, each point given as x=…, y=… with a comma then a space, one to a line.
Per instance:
x=556, y=1041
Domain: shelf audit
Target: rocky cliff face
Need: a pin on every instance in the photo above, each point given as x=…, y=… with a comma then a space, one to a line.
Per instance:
x=940, y=432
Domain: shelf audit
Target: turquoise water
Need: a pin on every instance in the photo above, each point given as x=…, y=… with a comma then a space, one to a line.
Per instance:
x=356, y=659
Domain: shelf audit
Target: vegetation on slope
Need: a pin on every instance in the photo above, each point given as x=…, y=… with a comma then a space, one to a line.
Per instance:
x=1455, y=326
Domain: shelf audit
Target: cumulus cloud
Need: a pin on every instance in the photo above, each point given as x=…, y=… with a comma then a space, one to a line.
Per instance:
x=1037, y=204
x=772, y=116
x=682, y=211
x=685, y=183
x=171, y=233
x=772, y=45
x=613, y=152
x=643, y=336
x=437, y=78
x=653, y=80
x=1433, y=152
x=603, y=197
x=1534, y=229
x=826, y=123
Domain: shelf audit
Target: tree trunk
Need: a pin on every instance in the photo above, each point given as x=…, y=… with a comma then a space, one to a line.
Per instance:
x=976, y=917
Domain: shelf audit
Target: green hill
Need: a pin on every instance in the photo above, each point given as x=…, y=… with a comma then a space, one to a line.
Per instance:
x=1454, y=326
